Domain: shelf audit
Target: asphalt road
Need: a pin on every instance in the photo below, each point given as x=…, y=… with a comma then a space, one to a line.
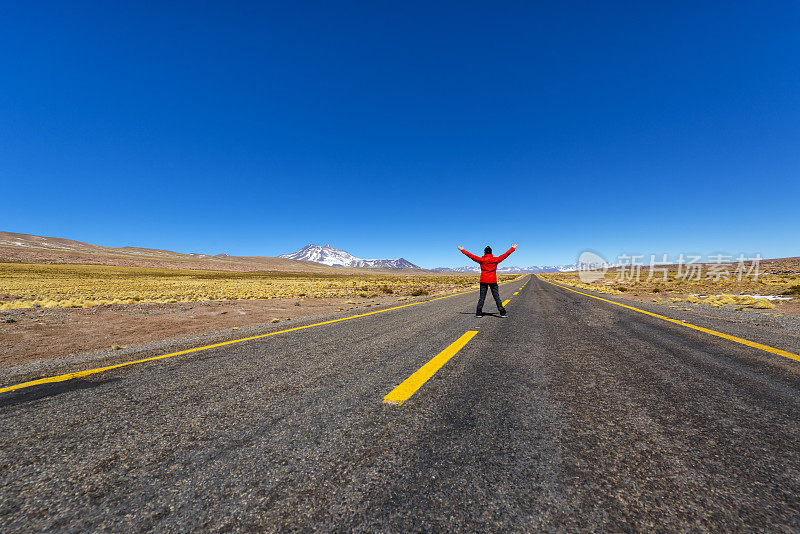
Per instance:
x=572, y=414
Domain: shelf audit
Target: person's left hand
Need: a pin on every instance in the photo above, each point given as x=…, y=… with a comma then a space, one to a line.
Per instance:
x=460, y=247
x=514, y=245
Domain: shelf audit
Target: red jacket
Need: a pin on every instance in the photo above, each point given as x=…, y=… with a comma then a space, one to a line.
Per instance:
x=489, y=265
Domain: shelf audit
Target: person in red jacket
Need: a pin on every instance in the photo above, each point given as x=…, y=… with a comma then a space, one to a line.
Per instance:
x=489, y=276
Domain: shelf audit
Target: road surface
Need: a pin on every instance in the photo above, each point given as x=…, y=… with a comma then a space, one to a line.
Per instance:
x=573, y=414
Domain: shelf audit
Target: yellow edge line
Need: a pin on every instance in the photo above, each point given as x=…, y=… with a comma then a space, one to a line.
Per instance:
x=410, y=385
x=767, y=348
x=80, y=374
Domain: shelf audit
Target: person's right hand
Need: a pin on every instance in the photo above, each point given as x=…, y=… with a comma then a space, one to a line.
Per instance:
x=460, y=247
x=515, y=245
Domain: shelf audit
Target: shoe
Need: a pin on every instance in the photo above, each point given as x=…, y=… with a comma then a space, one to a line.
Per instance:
x=504, y=316
x=479, y=315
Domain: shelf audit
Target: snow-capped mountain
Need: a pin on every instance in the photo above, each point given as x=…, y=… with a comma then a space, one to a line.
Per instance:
x=339, y=258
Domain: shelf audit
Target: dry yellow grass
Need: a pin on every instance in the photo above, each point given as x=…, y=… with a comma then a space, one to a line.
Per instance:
x=29, y=285
x=763, y=304
x=673, y=289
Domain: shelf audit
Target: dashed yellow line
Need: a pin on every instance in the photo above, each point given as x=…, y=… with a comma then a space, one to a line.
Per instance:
x=410, y=385
x=80, y=374
x=516, y=292
x=767, y=348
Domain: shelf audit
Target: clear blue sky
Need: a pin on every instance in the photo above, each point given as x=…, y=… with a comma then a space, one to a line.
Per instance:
x=403, y=129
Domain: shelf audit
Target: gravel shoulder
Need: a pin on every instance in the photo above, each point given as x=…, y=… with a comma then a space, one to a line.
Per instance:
x=47, y=341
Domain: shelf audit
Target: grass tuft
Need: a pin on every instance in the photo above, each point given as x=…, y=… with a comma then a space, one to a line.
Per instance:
x=763, y=304
x=794, y=290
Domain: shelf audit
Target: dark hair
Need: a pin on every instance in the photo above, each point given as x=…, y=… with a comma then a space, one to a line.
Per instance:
x=487, y=250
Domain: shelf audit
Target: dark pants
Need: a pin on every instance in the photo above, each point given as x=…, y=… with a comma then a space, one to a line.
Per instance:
x=495, y=294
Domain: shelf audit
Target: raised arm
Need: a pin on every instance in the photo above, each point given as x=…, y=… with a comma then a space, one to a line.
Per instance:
x=471, y=256
x=509, y=251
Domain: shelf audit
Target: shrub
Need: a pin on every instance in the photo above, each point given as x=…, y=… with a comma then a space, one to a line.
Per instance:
x=10, y=320
x=388, y=290
x=276, y=320
x=763, y=304
x=794, y=290
x=720, y=300
x=418, y=292
x=621, y=288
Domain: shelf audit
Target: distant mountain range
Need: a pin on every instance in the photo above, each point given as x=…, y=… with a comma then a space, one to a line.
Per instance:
x=26, y=248
x=329, y=255
x=334, y=257
x=511, y=269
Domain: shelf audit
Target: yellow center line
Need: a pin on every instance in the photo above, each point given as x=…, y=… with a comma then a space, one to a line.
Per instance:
x=410, y=385
x=80, y=374
x=767, y=348
x=506, y=302
x=516, y=292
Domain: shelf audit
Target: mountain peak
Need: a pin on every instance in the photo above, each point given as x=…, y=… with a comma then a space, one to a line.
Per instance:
x=330, y=255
